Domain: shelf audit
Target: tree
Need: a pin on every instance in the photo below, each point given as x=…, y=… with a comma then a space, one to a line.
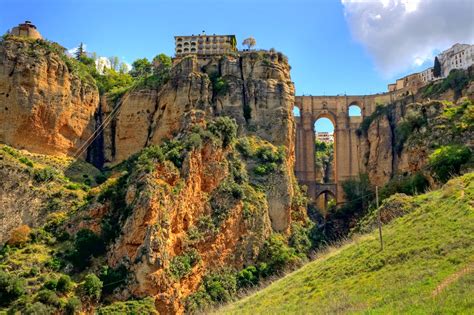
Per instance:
x=92, y=287
x=437, y=68
x=141, y=68
x=447, y=161
x=124, y=68
x=249, y=42
x=161, y=64
x=80, y=52
x=114, y=62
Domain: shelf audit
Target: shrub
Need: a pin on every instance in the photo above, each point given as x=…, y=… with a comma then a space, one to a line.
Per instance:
x=149, y=157
x=299, y=239
x=277, y=254
x=86, y=245
x=247, y=277
x=64, y=284
x=44, y=174
x=446, y=161
x=220, y=286
x=26, y=161
x=19, y=236
x=92, y=287
x=198, y=301
x=145, y=306
x=409, y=184
x=37, y=308
x=182, y=265
x=112, y=278
x=73, y=305
x=225, y=128
x=219, y=84
x=51, y=284
x=11, y=288
x=48, y=297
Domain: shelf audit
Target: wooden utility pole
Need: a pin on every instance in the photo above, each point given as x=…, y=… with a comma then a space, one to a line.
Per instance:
x=378, y=216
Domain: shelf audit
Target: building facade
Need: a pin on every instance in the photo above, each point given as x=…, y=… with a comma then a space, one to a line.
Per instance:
x=427, y=75
x=460, y=56
x=324, y=136
x=204, y=44
x=26, y=29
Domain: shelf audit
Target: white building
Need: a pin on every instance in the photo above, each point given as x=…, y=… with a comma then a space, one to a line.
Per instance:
x=460, y=56
x=427, y=75
x=324, y=136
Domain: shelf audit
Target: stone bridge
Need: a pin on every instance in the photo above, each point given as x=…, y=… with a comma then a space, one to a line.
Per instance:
x=347, y=162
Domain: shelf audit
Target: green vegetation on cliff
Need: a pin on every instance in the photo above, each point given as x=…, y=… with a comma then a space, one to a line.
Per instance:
x=426, y=265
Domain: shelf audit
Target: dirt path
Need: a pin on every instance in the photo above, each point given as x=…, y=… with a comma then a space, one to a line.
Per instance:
x=452, y=278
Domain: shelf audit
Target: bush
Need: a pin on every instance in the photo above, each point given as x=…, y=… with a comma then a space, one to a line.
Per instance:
x=149, y=157
x=11, y=288
x=221, y=286
x=219, y=84
x=277, y=254
x=112, y=278
x=44, y=174
x=48, y=297
x=299, y=239
x=408, y=184
x=64, y=284
x=26, y=161
x=19, y=236
x=38, y=308
x=51, y=284
x=92, y=287
x=446, y=161
x=145, y=306
x=247, y=277
x=73, y=305
x=182, y=265
x=225, y=128
x=86, y=245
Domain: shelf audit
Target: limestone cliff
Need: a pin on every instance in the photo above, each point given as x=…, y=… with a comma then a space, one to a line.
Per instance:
x=401, y=135
x=255, y=89
x=44, y=106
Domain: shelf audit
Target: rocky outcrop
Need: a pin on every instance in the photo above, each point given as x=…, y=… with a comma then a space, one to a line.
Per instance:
x=256, y=91
x=401, y=137
x=44, y=108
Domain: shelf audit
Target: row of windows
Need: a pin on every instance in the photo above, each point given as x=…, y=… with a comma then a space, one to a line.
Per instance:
x=207, y=46
x=203, y=51
x=208, y=40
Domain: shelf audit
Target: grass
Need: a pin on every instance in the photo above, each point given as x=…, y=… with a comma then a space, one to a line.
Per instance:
x=423, y=249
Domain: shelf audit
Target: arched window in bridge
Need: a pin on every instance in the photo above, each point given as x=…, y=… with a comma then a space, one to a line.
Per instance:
x=354, y=110
x=296, y=111
x=324, y=159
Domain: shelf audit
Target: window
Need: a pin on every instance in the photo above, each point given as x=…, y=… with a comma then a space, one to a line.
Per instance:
x=355, y=110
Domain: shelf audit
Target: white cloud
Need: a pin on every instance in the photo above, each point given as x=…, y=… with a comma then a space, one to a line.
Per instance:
x=403, y=34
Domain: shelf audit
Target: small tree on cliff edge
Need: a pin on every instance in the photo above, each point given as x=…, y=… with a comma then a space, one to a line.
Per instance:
x=437, y=68
x=80, y=52
x=249, y=42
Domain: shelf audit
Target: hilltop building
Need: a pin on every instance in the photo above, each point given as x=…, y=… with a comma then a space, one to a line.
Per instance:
x=204, y=44
x=459, y=56
x=26, y=29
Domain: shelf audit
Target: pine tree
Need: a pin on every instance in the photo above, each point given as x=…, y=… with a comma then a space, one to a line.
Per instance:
x=80, y=52
x=437, y=68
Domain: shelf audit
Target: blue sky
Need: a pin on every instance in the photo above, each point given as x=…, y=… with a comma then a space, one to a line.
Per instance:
x=330, y=43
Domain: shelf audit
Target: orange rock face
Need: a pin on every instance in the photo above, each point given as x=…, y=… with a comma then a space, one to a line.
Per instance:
x=43, y=107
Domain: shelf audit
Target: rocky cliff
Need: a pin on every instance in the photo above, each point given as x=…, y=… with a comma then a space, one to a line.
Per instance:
x=45, y=106
x=254, y=88
x=399, y=137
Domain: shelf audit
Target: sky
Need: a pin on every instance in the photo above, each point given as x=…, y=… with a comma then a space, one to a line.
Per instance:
x=334, y=46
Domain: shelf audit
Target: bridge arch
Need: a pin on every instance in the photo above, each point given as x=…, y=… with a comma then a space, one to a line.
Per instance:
x=346, y=144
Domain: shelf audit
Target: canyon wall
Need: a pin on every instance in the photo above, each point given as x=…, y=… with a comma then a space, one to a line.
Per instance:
x=44, y=108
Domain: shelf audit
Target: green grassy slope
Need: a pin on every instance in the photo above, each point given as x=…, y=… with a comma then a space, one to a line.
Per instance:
x=429, y=250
